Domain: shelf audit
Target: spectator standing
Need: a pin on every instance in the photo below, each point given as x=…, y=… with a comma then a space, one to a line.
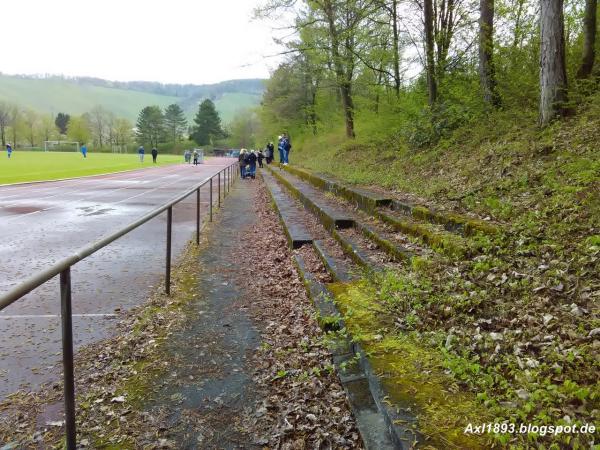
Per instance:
x=195, y=156
x=242, y=162
x=270, y=152
x=280, y=148
x=141, y=152
x=287, y=146
x=251, y=164
x=84, y=150
x=8, y=150
x=260, y=156
x=187, y=156
x=154, y=155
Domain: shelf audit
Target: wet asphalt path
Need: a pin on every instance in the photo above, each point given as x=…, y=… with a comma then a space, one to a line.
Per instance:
x=43, y=222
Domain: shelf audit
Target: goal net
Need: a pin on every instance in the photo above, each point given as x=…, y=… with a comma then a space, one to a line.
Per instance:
x=61, y=146
x=119, y=148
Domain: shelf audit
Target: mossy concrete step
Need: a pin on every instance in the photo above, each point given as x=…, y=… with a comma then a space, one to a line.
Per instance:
x=397, y=252
x=353, y=250
x=310, y=197
x=444, y=242
x=377, y=430
x=295, y=230
x=365, y=199
x=369, y=201
x=336, y=269
x=452, y=222
x=313, y=199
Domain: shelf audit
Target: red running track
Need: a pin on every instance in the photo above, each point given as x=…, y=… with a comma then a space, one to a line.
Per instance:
x=41, y=223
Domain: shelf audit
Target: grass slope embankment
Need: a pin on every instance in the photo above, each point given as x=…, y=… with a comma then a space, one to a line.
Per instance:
x=41, y=166
x=53, y=96
x=516, y=327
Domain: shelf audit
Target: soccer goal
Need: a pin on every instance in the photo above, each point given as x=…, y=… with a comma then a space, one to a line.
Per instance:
x=61, y=146
x=119, y=148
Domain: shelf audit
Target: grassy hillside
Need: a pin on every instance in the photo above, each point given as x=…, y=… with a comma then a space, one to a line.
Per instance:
x=55, y=95
x=516, y=326
x=230, y=103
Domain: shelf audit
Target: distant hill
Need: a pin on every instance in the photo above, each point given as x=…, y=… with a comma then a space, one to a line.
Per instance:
x=55, y=94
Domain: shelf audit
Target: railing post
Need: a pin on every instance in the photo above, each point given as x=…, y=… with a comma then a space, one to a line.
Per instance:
x=168, y=259
x=211, y=198
x=219, y=189
x=67, y=343
x=198, y=216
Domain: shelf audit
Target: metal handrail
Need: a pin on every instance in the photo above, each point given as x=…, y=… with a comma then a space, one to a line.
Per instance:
x=63, y=268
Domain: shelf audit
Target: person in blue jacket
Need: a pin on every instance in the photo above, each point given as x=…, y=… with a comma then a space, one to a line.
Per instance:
x=8, y=150
x=141, y=152
x=287, y=146
x=84, y=151
x=281, y=150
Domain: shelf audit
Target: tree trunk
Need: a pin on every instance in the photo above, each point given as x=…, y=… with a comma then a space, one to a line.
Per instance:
x=553, y=74
x=344, y=84
x=429, y=52
x=487, y=74
x=589, y=39
x=396, y=47
x=517, y=37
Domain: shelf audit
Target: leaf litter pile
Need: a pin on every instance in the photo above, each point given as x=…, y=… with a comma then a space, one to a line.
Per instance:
x=302, y=403
x=307, y=407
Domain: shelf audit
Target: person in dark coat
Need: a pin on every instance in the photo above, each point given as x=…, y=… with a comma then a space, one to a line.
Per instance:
x=270, y=152
x=154, y=155
x=260, y=156
x=242, y=161
x=251, y=159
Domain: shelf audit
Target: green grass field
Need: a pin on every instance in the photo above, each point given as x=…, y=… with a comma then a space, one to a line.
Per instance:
x=38, y=166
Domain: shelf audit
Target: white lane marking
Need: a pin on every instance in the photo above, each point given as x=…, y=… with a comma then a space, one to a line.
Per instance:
x=59, y=185
x=21, y=216
x=53, y=316
x=85, y=186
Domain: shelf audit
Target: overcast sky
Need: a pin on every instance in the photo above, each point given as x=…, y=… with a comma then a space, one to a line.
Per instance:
x=171, y=41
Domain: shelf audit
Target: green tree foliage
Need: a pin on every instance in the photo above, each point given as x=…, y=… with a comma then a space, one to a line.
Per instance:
x=79, y=129
x=207, y=126
x=62, y=122
x=175, y=122
x=150, y=126
x=4, y=120
x=354, y=63
x=244, y=130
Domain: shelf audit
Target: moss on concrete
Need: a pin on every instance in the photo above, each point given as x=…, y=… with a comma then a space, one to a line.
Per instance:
x=412, y=373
